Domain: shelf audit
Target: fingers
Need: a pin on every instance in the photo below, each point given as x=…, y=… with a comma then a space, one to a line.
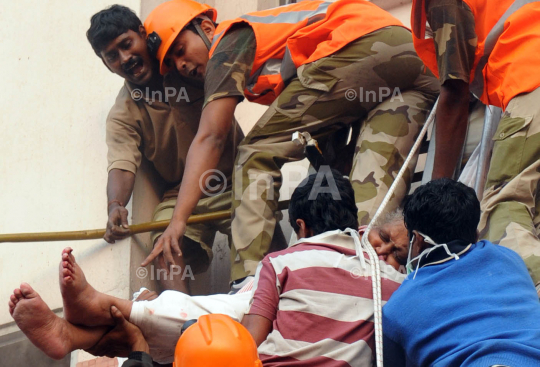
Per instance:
x=117, y=225
x=147, y=295
x=151, y=296
x=124, y=220
x=117, y=316
x=155, y=252
x=108, y=235
x=167, y=254
x=175, y=243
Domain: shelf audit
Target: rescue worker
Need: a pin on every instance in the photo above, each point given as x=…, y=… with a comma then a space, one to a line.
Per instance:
x=143, y=122
x=319, y=66
x=490, y=48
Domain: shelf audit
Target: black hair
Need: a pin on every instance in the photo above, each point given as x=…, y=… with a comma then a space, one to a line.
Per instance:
x=443, y=209
x=110, y=23
x=325, y=201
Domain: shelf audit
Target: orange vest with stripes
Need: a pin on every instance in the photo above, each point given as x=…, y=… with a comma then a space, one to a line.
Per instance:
x=292, y=35
x=508, y=50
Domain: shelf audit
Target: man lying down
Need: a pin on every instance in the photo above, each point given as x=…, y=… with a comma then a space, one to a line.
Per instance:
x=88, y=316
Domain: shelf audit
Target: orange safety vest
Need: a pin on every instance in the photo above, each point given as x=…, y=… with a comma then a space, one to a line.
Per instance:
x=508, y=51
x=296, y=34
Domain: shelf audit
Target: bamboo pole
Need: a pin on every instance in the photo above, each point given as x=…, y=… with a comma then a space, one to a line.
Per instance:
x=92, y=234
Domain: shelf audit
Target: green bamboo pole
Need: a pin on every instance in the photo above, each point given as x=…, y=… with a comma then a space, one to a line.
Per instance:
x=92, y=234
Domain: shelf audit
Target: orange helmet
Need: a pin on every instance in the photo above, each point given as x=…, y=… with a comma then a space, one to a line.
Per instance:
x=217, y=341
x=168, y=19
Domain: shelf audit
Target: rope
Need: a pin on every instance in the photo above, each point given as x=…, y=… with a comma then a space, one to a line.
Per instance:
x=373, y=258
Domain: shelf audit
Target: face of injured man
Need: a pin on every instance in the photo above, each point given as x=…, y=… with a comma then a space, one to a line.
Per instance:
x=391, y=243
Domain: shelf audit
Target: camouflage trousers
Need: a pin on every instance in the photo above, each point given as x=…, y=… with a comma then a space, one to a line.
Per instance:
x=378, y=81
x=511, y=204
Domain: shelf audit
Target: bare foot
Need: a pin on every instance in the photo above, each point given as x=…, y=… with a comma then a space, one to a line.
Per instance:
x=36, y=320
x=82, y=304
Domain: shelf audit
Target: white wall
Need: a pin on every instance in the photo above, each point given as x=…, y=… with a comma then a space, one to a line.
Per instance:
x=55, y=97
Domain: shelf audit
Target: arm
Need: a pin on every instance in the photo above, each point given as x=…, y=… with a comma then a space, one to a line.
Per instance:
x=264, y=303
x=258, y=326
x=452, y=120
x=124, y=138
x=119, y=188
x=204, y=155
x=226, y=73
x=455, y=39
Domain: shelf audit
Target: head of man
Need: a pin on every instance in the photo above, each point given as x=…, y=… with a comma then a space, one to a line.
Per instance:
x=444, y=210
x=390, y=239
x=119, y=39
x=186, y=29
x=323, y=202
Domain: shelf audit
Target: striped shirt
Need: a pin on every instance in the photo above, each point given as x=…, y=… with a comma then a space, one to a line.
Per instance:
x=320, y=301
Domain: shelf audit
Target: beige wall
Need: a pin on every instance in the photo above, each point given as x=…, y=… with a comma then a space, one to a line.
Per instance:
x=55, y=97
x=56, y=94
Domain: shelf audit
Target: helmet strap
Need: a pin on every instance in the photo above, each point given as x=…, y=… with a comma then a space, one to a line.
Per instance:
x=202, y=34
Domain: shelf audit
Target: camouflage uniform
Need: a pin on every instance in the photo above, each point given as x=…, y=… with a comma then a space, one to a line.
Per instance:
x=377, y=80
x=510, y=205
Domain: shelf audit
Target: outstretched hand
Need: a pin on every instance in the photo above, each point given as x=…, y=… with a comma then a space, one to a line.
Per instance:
x=168, y=244
x=123, y=339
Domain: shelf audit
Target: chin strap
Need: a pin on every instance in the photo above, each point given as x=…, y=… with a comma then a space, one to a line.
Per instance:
x=202, y=34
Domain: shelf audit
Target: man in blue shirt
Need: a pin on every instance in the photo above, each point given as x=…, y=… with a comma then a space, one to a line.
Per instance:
x=464, y=303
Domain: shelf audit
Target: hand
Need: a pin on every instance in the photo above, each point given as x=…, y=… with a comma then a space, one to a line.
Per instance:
x=168, y=242
x=146, y=295
x=117, y=225
x=123, y=339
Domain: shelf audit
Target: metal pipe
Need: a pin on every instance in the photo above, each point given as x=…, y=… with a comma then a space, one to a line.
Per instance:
x=93, y=234
x=491, y=122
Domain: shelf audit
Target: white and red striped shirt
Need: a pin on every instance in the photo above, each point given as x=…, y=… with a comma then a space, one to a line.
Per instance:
x=320, y=301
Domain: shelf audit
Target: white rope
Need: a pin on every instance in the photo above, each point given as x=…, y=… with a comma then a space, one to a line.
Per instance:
x=373, y=258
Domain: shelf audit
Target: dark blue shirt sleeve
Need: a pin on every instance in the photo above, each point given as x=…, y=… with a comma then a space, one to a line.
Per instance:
x=394, y=355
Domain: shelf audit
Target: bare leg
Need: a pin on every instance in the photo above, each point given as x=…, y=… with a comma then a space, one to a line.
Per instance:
x=83, y=305
x=173, y=280
x=50, y=333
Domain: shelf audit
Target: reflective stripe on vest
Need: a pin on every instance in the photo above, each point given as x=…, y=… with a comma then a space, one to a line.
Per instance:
x=293, y=35
x=291, y=17
x=477, y=85
x=285, y=67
